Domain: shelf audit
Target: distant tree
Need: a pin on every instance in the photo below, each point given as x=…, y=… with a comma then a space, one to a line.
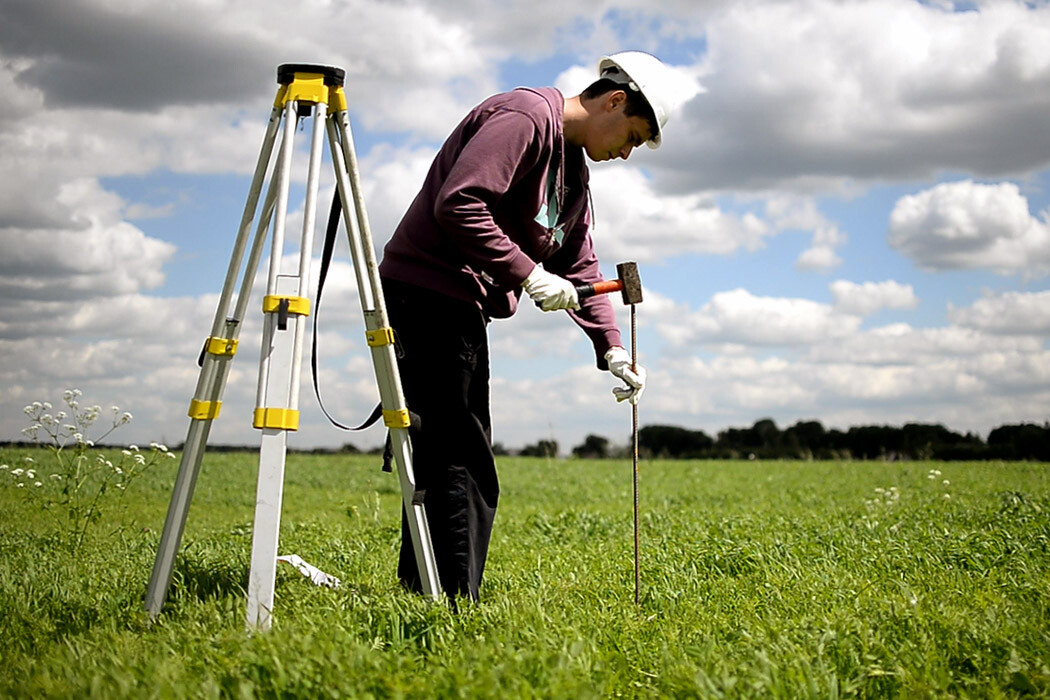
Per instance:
x=1021, y=441
x=543, y=448
x=349, y=448
x=593, y=447
x=499, y=450
x=673, y=442
x=805, y=438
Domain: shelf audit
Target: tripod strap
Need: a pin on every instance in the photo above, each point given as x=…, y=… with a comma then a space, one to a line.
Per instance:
x=326, y=259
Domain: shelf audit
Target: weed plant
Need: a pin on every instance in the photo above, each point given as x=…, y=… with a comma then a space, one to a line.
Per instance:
x=759, y=580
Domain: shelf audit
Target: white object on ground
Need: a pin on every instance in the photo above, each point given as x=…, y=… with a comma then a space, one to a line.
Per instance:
x=316, y=576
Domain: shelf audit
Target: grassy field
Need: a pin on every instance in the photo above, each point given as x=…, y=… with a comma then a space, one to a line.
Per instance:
x=759, y=579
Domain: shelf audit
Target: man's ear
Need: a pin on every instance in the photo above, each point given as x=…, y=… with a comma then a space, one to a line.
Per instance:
x=614, y=100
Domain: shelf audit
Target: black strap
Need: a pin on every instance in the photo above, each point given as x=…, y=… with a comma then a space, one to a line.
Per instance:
x=377, y=412
x=326, y=259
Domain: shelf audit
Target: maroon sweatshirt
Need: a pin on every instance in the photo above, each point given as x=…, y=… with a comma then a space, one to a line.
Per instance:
x=485, y=214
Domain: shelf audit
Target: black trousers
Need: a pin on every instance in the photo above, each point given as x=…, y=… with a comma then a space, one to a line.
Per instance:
x=444, y=367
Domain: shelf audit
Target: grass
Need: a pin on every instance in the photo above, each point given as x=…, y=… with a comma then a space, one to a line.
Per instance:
x=759, y=579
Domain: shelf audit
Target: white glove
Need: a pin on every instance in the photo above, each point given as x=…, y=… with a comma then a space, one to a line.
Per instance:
x=620, y=365
x=550, y=292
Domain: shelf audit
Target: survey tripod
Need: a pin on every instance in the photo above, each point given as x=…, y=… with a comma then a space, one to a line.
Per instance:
x=305, y=90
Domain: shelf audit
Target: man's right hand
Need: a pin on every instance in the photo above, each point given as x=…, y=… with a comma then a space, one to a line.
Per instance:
x=550, y=292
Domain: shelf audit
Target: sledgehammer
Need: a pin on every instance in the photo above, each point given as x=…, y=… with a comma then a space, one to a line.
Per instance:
x=627, y=282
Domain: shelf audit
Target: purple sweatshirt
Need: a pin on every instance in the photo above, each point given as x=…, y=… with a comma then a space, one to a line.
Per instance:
x=474, y=233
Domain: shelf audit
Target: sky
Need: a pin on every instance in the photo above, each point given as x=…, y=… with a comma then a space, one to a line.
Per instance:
x=849, y=223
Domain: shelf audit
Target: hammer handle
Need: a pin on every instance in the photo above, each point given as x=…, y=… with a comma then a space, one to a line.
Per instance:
x=606, y=287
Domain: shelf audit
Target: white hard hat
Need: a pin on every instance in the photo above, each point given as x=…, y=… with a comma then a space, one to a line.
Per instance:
x=646, y=74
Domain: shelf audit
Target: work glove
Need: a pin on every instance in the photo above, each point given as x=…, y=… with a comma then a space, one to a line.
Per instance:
x=620, y=365
x=550, y=292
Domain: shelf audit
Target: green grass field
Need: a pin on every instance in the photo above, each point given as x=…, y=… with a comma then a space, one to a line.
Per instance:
x=759, y=579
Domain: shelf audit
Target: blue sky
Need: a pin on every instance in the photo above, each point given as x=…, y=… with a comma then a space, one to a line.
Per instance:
x=849, y=224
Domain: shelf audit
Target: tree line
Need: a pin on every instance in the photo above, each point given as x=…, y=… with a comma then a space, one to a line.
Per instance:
x=810, y=440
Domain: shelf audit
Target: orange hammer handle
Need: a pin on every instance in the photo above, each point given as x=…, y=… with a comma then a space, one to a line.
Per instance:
x=605, y=287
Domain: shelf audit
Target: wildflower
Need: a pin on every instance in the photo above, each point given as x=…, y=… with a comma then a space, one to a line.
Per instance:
x=139, y=459
x=171, y=455
x=38, y=484
x=27, y=460
x=47, y=405
x=126, y=453
x=133, y=448
x=126, y=418
x=17, y=472
x=79, y=437
x=56, y=477
x=3, y=467
x=61, y=415
x=946, y=482
x=947, y=496
x=116, y=409
x=28, y=410
x=31, y=474
x=21, y=485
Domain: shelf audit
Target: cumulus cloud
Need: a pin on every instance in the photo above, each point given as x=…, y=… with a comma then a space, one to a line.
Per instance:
x=635, y=222
x=1010, y=313
x=820, y=91
x=96, y=254
x=867, y=298
x=737, y=316
x=965, y=224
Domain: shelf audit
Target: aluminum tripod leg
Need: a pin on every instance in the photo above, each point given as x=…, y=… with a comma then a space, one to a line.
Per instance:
x=380, y=338
x=218, y=351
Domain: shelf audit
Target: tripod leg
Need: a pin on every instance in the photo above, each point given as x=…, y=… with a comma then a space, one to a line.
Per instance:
x=211, y=381
x=380, y=339
x=277, y=409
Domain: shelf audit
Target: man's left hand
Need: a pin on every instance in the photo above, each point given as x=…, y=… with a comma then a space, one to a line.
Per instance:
x=620, y=365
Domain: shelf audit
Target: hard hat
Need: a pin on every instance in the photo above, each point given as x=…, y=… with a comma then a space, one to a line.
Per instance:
x=646, y=74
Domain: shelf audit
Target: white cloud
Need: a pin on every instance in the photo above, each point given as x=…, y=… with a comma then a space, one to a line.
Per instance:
x=737, y=316
x=1011, y=313
x=634, y=222
x=867, y=298
x=807, y=93
x=970, y=225
x=95, y=253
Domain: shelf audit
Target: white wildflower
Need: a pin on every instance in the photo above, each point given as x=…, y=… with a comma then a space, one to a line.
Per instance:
x=126, y=418
x=79, y=437
x=115, y=409
x=171, y=455
x=947, y=496
x=126, y=453
x=61, y=415
x=28, y=460
x=56, y=477
x=139, y=459
x=946, y=482
x=28, y=410
x=21, y=485
x=3, y=467
x=17, y=472
x=133, y=448
x=38, y=484
x=47, y=405
x=31, y=474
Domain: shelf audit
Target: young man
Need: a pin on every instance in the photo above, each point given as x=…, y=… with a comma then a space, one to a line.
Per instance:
x=504, y=209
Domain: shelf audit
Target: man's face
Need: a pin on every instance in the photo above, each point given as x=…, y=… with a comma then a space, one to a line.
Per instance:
x=613, y=134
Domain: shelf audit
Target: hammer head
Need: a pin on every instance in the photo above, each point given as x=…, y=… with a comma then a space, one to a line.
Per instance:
x=627, y=273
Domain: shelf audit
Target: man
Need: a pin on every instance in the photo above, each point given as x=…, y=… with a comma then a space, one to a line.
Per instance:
x=504, y=209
